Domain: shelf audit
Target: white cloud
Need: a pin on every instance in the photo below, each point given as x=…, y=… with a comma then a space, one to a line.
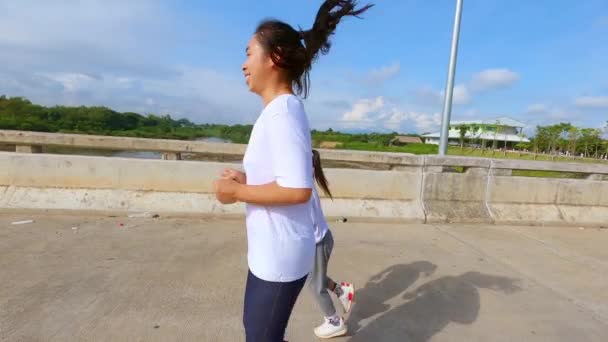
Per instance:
x=548, y=114
x=380, y=114
x=423, y=122
x=426, y=95
x=471, y=113
x=592, y=101
x=382, y=74
x=362, y=110
x=87, y=37
x=430, y=96
x=111, y=24
x=537, y=108
x=73, y=82
x=558, y=114
x=461, y=94
x=493, y=79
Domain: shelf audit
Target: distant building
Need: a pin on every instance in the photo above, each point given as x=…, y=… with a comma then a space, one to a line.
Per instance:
x=404, y=140
x=505, y=131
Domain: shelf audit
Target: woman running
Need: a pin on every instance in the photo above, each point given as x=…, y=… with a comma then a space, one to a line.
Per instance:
x=277, y=183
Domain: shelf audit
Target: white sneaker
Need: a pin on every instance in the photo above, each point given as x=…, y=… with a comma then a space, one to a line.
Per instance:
x=348, y=296
x=331, y=328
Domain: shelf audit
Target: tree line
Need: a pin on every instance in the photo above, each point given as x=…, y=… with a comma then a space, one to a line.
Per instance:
x=18, y=113
x=566, y=138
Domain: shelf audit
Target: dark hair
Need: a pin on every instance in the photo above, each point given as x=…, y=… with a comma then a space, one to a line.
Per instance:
x=284, y=44
x=319, y=175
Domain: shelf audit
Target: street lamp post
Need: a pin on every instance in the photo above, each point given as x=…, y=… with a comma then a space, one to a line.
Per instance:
x=449, y=88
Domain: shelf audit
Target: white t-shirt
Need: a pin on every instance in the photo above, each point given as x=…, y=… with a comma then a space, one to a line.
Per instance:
x=318, y=217
x=281, y=243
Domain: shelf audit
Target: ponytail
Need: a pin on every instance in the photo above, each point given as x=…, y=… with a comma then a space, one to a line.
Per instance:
x=329, y=15
x=319, y=175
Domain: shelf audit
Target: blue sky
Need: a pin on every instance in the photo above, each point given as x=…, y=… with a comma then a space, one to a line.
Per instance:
x=540, y=62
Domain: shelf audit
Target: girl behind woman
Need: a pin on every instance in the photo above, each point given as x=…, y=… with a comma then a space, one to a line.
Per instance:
x=334, y=325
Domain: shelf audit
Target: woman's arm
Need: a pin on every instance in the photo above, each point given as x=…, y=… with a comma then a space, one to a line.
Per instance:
x=229, y=191
x=272, y=195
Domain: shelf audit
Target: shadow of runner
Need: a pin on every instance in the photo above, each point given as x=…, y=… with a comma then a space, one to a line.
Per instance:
x=432, y=306
x=391, y=282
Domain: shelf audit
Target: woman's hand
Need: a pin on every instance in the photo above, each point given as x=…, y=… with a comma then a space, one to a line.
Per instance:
x=225, y=190
x=235, y=175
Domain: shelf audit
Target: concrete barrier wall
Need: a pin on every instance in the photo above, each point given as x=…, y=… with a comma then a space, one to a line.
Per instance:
x=376, y=194
x=61, y=171
x=428, y=189
x=44, y=181
x=525, y=200
x=552, y=201
x=455, y=197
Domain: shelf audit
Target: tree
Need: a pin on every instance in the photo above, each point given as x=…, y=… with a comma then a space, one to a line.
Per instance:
x=484, y=142
x=596, y=139
x=521, y=145
x=504, y=132
x=606, y=135
x=462, y=130
x=591, y=140
x=573, y=135
x=499, y=129
x=541, y=139
x=554, y=133
x=494, y=142
x=474, y=129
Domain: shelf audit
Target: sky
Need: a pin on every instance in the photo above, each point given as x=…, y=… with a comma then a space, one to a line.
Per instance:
x=539, y=62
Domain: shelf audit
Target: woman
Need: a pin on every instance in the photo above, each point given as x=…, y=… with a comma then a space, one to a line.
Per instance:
x=320, y=282
x=277, y=183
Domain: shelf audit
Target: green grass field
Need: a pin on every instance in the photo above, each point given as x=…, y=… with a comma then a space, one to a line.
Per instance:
x=469, y=152
x=410, y=148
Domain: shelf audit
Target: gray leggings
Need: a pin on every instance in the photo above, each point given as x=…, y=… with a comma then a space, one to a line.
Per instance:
x=318, y=278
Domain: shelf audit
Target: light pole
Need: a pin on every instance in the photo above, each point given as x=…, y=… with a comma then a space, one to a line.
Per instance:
x=449, y=88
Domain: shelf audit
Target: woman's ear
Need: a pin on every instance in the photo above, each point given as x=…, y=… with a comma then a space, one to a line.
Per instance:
x=276, y=56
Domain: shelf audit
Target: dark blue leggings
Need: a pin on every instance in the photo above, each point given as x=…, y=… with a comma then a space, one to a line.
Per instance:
x=267, y=308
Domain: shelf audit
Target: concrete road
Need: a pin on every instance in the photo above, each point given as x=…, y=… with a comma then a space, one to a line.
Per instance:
x=85, y=278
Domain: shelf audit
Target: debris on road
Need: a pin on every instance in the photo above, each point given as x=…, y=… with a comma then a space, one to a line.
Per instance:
x=144, y=215
x=23, y=222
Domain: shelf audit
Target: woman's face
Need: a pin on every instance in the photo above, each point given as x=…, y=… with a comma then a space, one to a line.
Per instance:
x=257, y=66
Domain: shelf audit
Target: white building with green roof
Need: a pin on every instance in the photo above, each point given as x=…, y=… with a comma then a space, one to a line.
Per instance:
x=505, y=131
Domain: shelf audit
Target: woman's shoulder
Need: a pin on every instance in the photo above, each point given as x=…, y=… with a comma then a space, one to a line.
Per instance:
x=283, y=105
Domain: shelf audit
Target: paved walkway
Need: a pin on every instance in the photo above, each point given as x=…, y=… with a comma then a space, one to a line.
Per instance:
x=90, y=279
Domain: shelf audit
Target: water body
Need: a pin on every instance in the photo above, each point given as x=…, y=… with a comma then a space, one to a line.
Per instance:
x=122, y=154
x=156, y=155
